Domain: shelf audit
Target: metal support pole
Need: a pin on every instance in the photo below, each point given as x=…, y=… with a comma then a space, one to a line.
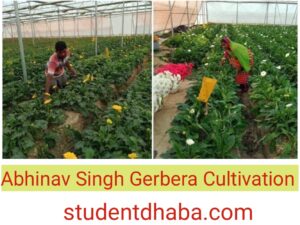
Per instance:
x=267, y=14
x=122, y=40
x=111, y=32
x=101, y=25
x=203, y=12
x=20, y=41
x=50, y=30
x=145, y=16
x=58, y=23
x=188, y=13
x=132, y=25
x=150, y=23
x=279, y=15
x=63, y=26
x=136, y=17
x=286, y=12
x=32, y=25
x=206, y=11
x=11, y=31
x=91, y=25
x=171, y=17
x=96, y=30
x=74, y=26
x=183, y=14
x=275, y=13
x=47, y=28
x=294, y=16
x=77, y=23
x=237, y=13
x=197, y=15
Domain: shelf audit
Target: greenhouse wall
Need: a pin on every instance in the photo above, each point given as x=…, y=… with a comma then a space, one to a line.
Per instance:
x=252, y=13
x=223, y=11
x=183, y=13
x=84, y=26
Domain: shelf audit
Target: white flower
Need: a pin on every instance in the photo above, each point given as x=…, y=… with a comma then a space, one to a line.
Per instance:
x=289, y=105
x=192, y=111
x=189, y=141
x=287, y=55
x=206, y=64
x=263, y=61
x=189, y=50
x=263, y=73
x=278, y=67
x=212, y=46
x=183, y=132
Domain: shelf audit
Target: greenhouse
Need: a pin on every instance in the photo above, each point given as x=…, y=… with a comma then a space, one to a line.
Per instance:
x=225, y=79
x=77, y=79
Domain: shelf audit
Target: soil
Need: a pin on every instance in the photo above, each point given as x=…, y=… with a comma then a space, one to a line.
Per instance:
x=164, y=117
x=132, y=77
x=74, y=120
x=100, y=104
x=161, y=57
x=251, y=148
x=64, y=143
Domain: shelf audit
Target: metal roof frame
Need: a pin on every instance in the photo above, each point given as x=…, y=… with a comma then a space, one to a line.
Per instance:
x=32, y=10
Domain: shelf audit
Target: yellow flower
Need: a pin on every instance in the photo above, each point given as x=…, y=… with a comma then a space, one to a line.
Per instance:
x=118, y=108
x=34, y=96
x=47, y=101
x=132, y=155
x=88, y=78
x=107, y=53
x=70, y=155
x=109, y=121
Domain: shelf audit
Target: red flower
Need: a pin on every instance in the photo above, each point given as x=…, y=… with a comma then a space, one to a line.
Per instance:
x=183, y=69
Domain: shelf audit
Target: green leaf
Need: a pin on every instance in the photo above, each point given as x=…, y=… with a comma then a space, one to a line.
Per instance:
x=17, y=154
x=41, y=124
x=88, y=153
x=27, y=143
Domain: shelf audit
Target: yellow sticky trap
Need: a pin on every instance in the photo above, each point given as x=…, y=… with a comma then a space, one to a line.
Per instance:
x=107, y=54
x=207, y=87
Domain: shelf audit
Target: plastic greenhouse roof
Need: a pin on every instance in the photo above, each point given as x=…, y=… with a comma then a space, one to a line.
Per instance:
x=32, y=10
